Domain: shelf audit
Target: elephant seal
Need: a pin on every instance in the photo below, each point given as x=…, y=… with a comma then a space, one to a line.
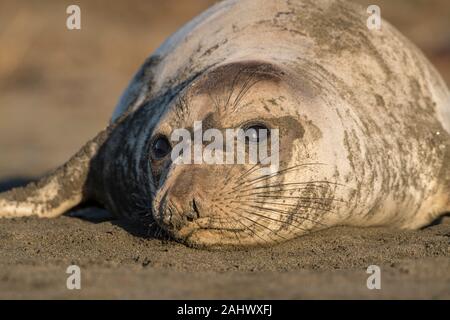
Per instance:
x=363, y=120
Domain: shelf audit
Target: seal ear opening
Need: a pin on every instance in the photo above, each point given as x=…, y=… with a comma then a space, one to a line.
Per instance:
x=58, y=191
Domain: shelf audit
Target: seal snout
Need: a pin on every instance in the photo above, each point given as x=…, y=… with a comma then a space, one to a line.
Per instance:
x=187, y=203
x=182, y=202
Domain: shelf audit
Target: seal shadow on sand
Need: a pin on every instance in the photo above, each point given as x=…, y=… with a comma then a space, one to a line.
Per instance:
x=91, y=212
x=94, y=213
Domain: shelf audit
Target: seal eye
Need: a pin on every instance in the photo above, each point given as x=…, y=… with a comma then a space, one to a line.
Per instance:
x=256, y=133
x=161, y=147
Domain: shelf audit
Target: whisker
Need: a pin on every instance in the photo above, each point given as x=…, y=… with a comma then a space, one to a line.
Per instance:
x=279, y=191
x=261, y=225
x=248, y=171
x=277, y=220
x=255, y=166
x=215, y=102
x=312, y=183
x=248, y=228
x=283, y=212
x=285, y=171
x=244, y=225
x=233, y=84
x=245, y=88
x=275, y=174
x=264, y=195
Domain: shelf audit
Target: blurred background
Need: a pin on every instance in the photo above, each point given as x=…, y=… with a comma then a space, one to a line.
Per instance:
x=58, y=87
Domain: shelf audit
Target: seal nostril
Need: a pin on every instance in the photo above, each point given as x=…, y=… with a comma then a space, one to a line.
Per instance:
x=194, y=213
x=194, y=206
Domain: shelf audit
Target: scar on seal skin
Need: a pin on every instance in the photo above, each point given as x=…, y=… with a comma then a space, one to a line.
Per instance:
x=363, y=119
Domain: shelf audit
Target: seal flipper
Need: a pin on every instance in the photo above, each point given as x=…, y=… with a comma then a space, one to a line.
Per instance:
x=56, y=192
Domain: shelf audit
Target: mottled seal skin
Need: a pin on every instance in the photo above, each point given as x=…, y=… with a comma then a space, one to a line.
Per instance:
x=364, y=124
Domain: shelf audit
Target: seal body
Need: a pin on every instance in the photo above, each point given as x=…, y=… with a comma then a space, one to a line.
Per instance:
x=364, y=122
